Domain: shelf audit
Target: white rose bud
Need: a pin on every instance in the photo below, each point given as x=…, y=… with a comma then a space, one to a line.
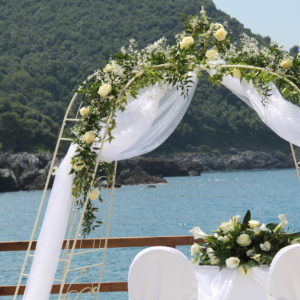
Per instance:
x=243, y=240
x=186, y=42
x=220, y=34
x=236, y=73
x=214, y=260
x=194, y=261
x=232, y=262
x=84, y=111
x=244, y=270
x=212, y=54
x=78, y=165
x=104, y=90
x=226, y=239
x=94, y=194
x=89, y=137
x=195, y=249
x=250, y=252
x=286, y=63
x=295, y=241
x=253, y=224
x=266, y=246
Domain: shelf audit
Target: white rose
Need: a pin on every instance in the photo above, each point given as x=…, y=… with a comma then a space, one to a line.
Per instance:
x=236, y=73
x=89, y=137
x=253, y=224
x=78, y=165
x=108, y=68
x=195, y=249
x=220, y=34
x=214, y=260
x=263, y=227
x=209, y=250
x=286, y=63
x=104, y=90
x=250, y=252
x=243, y=240
x=266, y=246
x=232, y=262
x=84, y=111
x=212, y=54
x=94, y=194
x=186, y=42
x=198, y=233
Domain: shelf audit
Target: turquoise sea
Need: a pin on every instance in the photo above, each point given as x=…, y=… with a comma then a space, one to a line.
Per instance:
x=168, y=209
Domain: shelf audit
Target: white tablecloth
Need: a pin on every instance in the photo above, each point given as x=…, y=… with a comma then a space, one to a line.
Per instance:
x=230, y=284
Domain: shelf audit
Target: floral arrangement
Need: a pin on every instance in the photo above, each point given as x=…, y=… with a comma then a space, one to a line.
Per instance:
x=242, y=244
x=202, y=46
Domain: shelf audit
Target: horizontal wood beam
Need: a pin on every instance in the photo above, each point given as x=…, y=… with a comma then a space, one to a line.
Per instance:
x=117, y=242
x=72, y=288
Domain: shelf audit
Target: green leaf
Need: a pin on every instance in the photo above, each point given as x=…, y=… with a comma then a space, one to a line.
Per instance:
x=246, y=219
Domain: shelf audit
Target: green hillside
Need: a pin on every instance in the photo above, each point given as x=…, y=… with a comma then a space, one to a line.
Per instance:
x=47, y=47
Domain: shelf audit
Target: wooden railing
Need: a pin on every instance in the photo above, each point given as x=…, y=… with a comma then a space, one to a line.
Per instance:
x=120, y=242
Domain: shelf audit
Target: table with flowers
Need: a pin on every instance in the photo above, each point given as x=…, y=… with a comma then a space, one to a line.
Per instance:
x=233, y=262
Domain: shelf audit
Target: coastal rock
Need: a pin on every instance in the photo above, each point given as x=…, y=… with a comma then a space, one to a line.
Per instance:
x=160, y=166
x=8, y=181
x=25, y=171
x=133, y=177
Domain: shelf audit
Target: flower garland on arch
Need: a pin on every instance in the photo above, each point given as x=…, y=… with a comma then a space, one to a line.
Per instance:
x=202, y=46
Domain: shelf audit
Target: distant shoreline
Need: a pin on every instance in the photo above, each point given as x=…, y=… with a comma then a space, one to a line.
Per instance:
x=27, y=171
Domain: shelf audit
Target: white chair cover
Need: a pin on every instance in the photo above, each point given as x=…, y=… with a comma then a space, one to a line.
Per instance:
x=146, y=123
x=161, y=273
x=284, y=275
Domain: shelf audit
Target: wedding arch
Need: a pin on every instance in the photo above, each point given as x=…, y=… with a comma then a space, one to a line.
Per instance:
x=130, y=107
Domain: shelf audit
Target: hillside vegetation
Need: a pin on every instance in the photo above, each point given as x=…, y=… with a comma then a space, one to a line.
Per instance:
x=48, y=47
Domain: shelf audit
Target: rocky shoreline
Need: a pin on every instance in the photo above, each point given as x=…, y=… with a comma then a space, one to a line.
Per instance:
x=25, y=171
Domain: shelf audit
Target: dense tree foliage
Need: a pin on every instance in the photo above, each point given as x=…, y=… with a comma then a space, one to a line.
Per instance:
x=47, y=47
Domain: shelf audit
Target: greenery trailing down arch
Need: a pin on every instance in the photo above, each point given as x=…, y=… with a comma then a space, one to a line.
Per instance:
x=202, y=46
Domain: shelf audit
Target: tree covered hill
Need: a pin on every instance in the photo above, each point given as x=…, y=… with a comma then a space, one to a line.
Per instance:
x=47, y=47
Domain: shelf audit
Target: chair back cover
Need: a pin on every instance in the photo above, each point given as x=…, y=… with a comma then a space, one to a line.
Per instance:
x=284, y=275
x=161, y=273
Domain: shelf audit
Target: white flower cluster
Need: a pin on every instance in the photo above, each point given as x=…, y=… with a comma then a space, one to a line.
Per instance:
x=240, y=244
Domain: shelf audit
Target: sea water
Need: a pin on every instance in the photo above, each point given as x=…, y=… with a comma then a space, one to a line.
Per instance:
x=168, y=209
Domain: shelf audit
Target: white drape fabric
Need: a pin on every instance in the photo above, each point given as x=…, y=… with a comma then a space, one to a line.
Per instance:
x=148, y=120
x=277, y=113
x=230, y=284
x=284, y=275
x=52, y=234
x=161, y=273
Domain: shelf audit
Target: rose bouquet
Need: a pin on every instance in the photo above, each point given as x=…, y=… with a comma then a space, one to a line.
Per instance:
x=242, y=244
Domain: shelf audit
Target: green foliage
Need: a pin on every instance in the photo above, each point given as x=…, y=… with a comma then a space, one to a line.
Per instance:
x=48, y=47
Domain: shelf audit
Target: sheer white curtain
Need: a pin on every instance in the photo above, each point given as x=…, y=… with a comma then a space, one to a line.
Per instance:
x=277, y=113
x=146, y=123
